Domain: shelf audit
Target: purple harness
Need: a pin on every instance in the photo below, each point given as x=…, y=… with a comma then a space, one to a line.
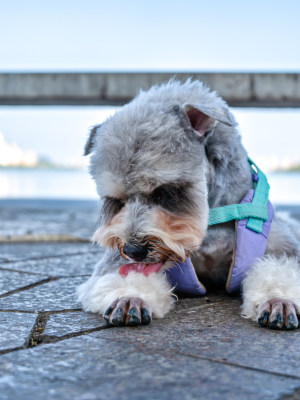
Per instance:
x=249, y=246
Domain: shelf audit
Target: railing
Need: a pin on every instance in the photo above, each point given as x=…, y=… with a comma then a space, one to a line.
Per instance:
x=238, y=89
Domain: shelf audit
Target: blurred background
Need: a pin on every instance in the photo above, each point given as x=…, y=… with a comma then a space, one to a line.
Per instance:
x=41, y=146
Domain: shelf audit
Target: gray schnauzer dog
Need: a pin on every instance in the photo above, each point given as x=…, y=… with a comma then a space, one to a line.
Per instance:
x=161, y=164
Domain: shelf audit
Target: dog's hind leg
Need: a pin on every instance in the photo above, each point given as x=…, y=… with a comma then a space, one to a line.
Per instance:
x=271, y=289
x=271, y=292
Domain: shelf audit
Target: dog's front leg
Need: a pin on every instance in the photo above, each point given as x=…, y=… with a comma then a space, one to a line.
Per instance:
x=136, y=298
x=130, y=300
x=271, y=292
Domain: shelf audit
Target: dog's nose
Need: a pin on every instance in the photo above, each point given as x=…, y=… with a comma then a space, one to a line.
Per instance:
x=136, y=251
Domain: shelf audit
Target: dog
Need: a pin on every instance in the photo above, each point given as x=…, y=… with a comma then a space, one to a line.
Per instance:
x=161, y=164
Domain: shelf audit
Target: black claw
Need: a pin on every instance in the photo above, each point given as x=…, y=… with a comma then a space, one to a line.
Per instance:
x=106, y=314
x=132, y=318
x=264, y=319
x=117, y=320
x=291, y=323
x=133, y=321
x=279, y=318
x=146, y=318
x=108, y=311
x=273, y=325
x=277, y=323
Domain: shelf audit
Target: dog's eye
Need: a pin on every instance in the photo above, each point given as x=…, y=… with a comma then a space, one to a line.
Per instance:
x=111, y=207
x=114, y=203
x=169, y=197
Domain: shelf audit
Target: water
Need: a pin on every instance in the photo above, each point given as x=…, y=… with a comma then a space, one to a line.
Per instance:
x=77, y=184
x=46, y=184
x=285, y=187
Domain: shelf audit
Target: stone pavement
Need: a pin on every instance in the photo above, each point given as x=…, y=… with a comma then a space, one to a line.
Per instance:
x=50, y=349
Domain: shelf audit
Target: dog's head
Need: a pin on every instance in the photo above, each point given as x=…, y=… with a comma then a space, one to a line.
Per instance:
x=150, y=165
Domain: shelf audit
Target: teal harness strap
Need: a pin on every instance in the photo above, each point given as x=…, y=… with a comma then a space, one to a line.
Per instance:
x=237, y=212
x=256, y=212
x=260, y=197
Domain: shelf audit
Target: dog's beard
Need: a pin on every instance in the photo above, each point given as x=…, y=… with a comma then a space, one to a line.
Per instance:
x=168, y=236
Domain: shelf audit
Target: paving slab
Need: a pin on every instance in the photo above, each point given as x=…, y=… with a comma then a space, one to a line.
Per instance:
x=216, y=331
x=10, y=252
x=16, y=280
x=50, y=296
x=89, y=367
x=71, y=322
x=66, y=265
x=15, y=329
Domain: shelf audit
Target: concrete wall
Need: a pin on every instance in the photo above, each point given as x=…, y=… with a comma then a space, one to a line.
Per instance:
x=238, y=89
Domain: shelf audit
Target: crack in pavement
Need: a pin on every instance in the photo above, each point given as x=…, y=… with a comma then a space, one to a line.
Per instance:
x=40, y=274
x=54, y=339
x=27, y=287
x=232, y=364
x=36, y=333
x=37, y=337
x=217, y=361
x=19, y=311
x=12, y=350
x=94, y=251
x=67, y=310
x=33, y=337
x=32, y=285
x=21, y=271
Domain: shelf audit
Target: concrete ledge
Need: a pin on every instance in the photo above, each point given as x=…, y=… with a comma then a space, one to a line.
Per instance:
x=238, y=89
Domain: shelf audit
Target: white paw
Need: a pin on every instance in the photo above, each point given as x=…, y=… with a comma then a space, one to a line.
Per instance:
x=100, y=293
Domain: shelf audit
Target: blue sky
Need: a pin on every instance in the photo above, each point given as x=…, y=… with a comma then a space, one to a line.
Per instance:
x=139, y=35
x=133, y=35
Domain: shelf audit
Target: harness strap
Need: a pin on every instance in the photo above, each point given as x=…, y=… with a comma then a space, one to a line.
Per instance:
x=256, y=212
x=236, y=212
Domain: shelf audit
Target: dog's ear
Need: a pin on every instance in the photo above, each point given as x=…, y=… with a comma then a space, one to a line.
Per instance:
x=88, y=148
x=202, y=118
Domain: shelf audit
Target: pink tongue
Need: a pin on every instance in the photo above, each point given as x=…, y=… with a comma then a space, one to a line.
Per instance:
x=143, y=268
